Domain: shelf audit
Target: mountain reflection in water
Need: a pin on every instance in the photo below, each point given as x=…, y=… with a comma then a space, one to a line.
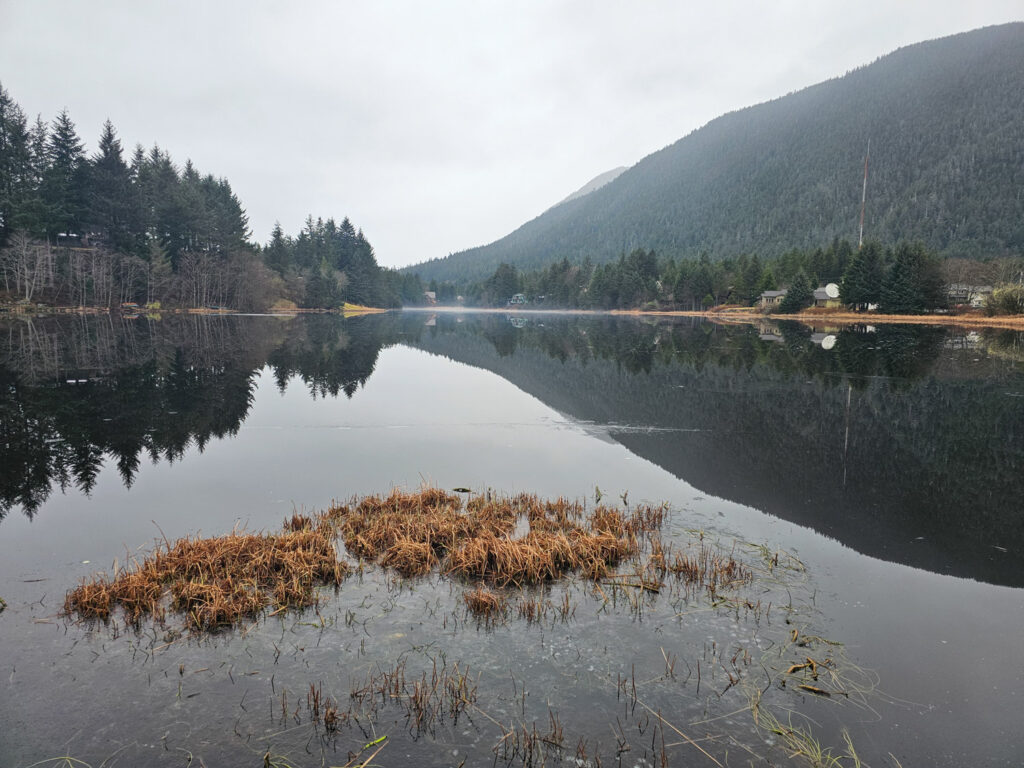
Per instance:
x=902, y=442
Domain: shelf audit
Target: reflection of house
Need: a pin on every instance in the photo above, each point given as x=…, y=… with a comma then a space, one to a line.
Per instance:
x=964, y=293
x=769, y=332
x=518, y=298
x=771, y=298
x=822, y=299
x=824, y=340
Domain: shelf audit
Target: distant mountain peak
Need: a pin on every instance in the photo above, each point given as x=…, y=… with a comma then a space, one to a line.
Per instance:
x=593, y=185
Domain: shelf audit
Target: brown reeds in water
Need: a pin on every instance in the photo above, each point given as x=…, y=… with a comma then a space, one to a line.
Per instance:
x=483, y=603
x=217, y=581
x=505, y=540
x=707, y=567
x=502, y=540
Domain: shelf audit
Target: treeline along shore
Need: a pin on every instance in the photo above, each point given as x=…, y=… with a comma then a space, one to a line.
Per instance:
x=902, y=279
x=144, y=233
x=106, y=229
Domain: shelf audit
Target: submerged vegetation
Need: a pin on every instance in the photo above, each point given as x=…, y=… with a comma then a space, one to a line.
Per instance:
x=514, y=559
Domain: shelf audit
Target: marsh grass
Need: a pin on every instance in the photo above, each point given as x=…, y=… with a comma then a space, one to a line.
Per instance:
x=507, y=541
x=483, y=603
x=219, y=581
x=494, y=540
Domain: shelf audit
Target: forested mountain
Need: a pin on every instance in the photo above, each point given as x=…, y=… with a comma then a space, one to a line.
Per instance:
x=107, y=229
x=945, y=121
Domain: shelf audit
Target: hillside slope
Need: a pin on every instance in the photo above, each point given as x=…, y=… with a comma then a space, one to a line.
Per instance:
x=595, y=184
x=945, y=120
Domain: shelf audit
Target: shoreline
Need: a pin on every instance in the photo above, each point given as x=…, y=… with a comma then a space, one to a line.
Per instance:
x=1014, y=322
x=732, y=315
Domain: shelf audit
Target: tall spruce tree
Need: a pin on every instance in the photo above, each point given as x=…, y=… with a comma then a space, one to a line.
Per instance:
x=64, y=179
x=914, y=283
x=277, y=254
x=110, y=209
x=15, y=166
x=862, y=281
x=799, y=296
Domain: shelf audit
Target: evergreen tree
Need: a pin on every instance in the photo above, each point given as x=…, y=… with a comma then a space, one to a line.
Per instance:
x=65, y=178
x=16, y=181
x=503, y=284
x=747, y=289
x=277, y=254
x=322, y=287
x=110, y=192
x=799, y=296
x=862, y=281
x=767, y=281
x=914, y=283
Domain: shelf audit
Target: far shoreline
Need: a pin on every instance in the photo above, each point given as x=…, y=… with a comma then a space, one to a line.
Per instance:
x=812, y=318
x=828, y=317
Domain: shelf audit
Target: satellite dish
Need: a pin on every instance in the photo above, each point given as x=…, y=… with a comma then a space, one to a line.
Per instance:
x=828, y=342
x=832, y=291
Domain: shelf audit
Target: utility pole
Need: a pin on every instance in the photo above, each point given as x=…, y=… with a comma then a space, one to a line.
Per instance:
x=864, y=197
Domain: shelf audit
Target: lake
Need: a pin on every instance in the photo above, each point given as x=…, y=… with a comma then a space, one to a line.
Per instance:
x=869, y=479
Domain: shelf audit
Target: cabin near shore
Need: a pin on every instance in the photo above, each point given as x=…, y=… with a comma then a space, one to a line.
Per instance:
x=960, y=294
x=823, y=299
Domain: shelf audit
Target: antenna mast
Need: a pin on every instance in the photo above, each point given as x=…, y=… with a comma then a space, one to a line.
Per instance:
x=864, y=197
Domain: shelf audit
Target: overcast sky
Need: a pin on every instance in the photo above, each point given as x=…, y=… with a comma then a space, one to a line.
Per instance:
x=435, y=126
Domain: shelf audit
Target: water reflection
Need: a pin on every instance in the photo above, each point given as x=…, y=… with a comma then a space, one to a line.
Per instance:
x=902, y=442
x=905, y=443
x=82, y=391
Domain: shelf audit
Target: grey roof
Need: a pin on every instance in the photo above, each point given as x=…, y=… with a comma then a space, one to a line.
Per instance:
x=968, y=287
x=772, y=294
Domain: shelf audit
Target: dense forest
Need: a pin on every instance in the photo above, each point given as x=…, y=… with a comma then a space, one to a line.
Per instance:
x=905, y=278
x=945, y=122
x=106, y=229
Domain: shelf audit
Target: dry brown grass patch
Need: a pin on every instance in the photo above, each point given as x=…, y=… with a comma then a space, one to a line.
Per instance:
x=217, y=581
x=483, y=603
x=506, y=540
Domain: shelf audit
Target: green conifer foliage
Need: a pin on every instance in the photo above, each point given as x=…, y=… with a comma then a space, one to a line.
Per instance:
x=799, y=296
x=65, y=178
x=914, y=283
x=862, y=282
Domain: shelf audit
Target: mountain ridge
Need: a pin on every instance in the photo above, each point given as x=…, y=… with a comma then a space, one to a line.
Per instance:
x=593, y=185
x=945, y=119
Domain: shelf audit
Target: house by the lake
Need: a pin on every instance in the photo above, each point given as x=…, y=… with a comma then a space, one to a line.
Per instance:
x=771, y=298
x=964, y=293
x=822, y=299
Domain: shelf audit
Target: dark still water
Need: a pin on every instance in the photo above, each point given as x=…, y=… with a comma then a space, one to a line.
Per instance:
x=887, y=461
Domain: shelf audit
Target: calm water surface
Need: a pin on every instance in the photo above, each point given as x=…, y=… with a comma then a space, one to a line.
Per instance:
x=888, y=460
